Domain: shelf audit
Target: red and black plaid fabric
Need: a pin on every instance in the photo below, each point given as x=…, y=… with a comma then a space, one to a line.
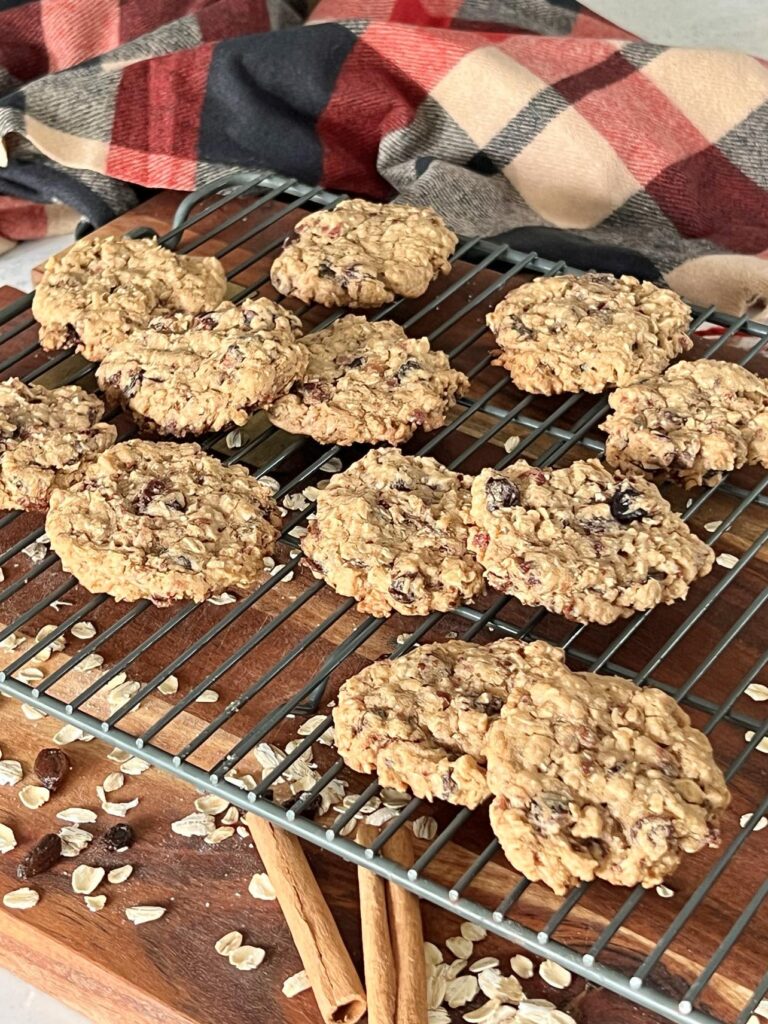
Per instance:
x=534, y=120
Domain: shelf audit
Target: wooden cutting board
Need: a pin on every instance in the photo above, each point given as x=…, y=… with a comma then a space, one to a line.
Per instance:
x=167, y=971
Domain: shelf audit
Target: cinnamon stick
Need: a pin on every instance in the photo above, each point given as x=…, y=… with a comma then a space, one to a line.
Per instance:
x=407, y=937
x=378, y=953
x=338, y=990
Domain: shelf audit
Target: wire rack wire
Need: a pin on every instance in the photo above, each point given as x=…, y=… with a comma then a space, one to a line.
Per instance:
x=278, y=653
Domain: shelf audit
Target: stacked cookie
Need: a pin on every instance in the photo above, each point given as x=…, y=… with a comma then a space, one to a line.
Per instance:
x=589, y=776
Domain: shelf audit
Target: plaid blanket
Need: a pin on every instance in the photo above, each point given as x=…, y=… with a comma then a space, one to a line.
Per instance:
x=533, y=120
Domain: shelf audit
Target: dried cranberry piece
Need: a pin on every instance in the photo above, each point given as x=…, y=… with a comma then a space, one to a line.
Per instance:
x=71, y=335
x=51, y=767
x=43, y=855
x=501, y=493
x=400, y=485
x=118, y=838
x=131, y=384
x=206, y=322
x=491, y=707
x=324, y=270
x=624, y=508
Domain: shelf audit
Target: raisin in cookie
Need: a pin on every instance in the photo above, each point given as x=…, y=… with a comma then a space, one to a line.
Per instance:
x=692, y=423
x=94, y=293
x=364, y=254
x=369, y=382
x=421, y=721
x=391, y=531
x=587, y=333
x=189, y=374
x=47, y=440
x=594, y=777
x=163, y=521
x=581, y=541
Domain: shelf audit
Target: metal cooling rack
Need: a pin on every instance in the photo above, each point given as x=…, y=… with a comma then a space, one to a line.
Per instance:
x=232, y=215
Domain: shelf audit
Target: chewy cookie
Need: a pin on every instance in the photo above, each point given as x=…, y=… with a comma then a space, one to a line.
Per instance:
x=391, y=531
x=189, y=374
x=101, y=288
x=581, y=541
x=421, y=721
x=588, y=332
x=163, y=521
x=594, y=777
x=47, y=440
x=369, y=382
x=364, y=254
x=692, y=423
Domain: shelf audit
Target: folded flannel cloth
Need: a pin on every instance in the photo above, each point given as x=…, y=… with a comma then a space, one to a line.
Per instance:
x=533, y=120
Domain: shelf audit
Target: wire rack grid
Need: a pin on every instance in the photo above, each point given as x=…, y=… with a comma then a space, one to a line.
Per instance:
x=280, y=654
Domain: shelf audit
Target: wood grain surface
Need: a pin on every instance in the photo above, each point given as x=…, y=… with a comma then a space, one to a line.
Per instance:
x=169, y=967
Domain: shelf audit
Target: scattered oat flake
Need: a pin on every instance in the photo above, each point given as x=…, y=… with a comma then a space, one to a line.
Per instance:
x=95, y=903
x=7, y=839
x=117, y=810
x=21, y=899
x=726, y=560
x=438, y=1016
x=134, y=766
x=433, y=955
x=665, y=892
x=86, y=878
x=332, y=465
x=11, y=772
x=297, y=983
x=118, y=756
x=30, y=674
x=35, y=552
x=714, y=525
x=758, y=827
x=260, y=887
x=296, y=502
x=195, y=824
x=234, y=439
x=77, y=816
x=460, y=991
x=246, y=958
x=73, y=840
x=757, y=691
x=762, y=745
x=119, y=875
x=11, y=642
x=32, y=714
x=459, y=946
x=113, y=782
x=207, y=697
x=540, y=1011
x=231, y=816
x=270, y=482
x=437, y=985
x=762, y=1008
x=219, y=835
x=229, y=943
x=484, y=1014
x=224, y=598
x=483, y=964
x=494, y=985
x=454, y=969
x=68, y=734
x=83, y=630
x=473, y=931
x=34, y=796
x=91, y=661
x=209, y=803
x=522, y=966
x=142, y=915
x=554, y=974
x=425, y=828
x=381, y=816
x=169, y=686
